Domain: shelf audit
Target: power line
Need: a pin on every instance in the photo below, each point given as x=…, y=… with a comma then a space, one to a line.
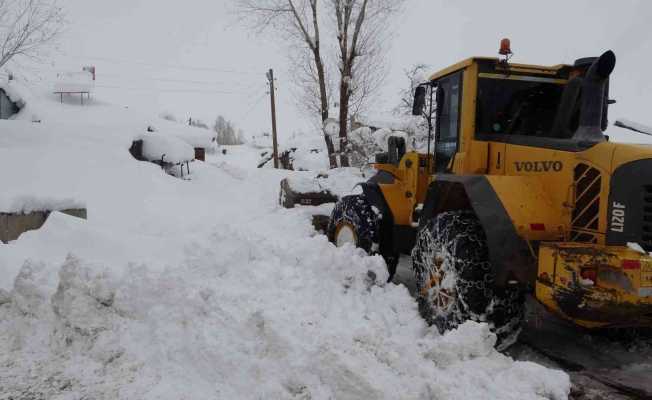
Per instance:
x=170, y=66
x=166, y=90
x=101, y=75
x=256, y=103
x=235, y=85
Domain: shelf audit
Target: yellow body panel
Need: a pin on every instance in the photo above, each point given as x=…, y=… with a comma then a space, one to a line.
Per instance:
x=518, y=194
x=630, y=152
x=528, y=68
x=521, y=77
x=410, y=186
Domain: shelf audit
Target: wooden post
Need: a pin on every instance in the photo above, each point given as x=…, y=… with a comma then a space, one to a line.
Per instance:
x=270, y=77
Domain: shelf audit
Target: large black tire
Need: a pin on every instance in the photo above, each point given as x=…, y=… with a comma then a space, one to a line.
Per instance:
x=455, y=281
x=356, y=214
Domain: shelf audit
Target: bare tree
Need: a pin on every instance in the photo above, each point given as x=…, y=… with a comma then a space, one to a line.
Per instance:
x=415, y=75
x=360, y=32
x=361, y=27
x=418, y=127
x=299, y=21
x=26, y=26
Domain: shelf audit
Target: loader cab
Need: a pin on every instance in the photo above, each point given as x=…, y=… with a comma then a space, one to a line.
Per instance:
x=480, y=105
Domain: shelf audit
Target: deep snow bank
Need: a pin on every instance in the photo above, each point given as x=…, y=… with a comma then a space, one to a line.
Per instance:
x=256, y=318
x=207, y=289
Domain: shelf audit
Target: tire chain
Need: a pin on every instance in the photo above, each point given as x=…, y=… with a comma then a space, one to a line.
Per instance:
x=437, y=235
x=441, y=239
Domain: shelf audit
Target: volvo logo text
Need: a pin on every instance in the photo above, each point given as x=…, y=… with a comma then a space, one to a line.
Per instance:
x=539, y=166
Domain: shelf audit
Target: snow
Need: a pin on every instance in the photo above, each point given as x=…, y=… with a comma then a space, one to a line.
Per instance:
x=586, y=282
x=339, y=182
x=636, y=247
x=624, y=135
x=394, y=123
x=166, y=148
x=206, y=288
x=38, y=172
x=342, y=181
x=193, y=136
x=235, y=158
x=263, y=141
x=27, y=204
x=14, y=91
x=306, y=184
x=371, y=138
x=74, y=82
x=635, y=125
x=332, y=127
x=307, y=151
x=310, y=160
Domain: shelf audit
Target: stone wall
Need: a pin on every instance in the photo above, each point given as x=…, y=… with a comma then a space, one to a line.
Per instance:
x=12, y=225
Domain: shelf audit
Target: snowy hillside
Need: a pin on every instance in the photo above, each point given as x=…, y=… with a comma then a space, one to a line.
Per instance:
x=205, y=288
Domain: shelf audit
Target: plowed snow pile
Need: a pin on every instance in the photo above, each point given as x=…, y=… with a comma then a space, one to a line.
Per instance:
x=206, y=289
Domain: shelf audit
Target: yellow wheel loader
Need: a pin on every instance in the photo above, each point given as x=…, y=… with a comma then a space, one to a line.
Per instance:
x=520, y=191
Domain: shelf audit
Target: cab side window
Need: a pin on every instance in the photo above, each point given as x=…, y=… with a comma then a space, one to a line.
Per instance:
x=446, y=142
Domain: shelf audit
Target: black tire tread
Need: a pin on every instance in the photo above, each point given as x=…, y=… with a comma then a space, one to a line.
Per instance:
x=460, y=235
x=357, y=212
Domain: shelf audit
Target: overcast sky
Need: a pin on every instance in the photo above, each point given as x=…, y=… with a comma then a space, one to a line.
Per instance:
x=193, y=59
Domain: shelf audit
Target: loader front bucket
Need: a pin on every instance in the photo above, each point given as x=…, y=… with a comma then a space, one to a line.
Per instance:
x=596, y=286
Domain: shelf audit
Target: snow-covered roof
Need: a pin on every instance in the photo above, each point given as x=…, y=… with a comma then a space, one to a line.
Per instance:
x=26, y=204
x=14, y=91
x=194, y=137
x=166, y=148
x=636, y=126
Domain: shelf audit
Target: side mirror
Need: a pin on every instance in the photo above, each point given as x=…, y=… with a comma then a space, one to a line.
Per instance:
x=419, y=101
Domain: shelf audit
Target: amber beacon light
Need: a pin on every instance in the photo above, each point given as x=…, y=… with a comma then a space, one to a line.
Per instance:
x=505, y=47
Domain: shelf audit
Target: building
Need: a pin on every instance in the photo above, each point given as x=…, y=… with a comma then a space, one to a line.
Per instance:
x=7, y=107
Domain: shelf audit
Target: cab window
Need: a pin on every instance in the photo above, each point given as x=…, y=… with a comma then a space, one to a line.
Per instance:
x=446, y=142
x=525, y=106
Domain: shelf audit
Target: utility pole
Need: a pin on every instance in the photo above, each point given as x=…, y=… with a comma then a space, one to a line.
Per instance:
x=270, y=78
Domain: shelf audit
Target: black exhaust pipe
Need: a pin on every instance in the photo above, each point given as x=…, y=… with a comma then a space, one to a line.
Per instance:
x=594, y=97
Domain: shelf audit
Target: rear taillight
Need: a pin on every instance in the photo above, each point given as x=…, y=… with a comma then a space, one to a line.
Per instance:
x=538, y=227
x=631, y=264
